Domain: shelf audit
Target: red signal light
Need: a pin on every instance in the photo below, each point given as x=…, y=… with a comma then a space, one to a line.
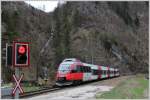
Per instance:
x=21, y=54
x=21, y=49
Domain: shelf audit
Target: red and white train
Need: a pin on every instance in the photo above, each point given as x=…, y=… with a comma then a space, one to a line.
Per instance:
x=73, y=71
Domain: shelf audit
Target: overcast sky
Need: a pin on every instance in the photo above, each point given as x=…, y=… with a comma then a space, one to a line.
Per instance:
x=48, y=5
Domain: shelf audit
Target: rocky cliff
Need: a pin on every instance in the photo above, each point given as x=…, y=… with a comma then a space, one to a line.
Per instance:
x=105, y=33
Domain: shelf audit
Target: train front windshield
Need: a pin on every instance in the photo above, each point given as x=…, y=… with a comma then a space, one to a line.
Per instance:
x=64, y=68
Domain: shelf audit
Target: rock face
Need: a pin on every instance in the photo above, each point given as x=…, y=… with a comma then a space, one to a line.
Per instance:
x=111, y=33
x=104, y=33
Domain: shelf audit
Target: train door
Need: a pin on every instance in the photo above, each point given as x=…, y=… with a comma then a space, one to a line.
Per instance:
x=104, y=72
x=86, y=73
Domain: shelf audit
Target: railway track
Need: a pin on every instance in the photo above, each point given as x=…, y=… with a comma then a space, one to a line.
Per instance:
x=32, y=93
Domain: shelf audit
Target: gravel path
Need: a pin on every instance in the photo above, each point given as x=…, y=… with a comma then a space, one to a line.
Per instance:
x=82, y=92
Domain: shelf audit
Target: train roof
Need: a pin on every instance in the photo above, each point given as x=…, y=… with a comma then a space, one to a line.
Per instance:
x=74, y=60
x=71, y=60
x=67, y=62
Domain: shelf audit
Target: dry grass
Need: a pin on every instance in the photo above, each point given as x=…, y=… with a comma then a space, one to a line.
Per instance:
x=132, y=88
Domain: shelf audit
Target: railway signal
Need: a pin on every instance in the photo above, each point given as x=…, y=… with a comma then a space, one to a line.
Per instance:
x=21, y=54
x=9, y=52
x=21, y=58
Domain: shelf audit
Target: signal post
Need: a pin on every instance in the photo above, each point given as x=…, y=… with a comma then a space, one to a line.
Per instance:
x=21, y=58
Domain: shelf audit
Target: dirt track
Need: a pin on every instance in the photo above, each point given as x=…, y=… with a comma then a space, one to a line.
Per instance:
x=87, y=91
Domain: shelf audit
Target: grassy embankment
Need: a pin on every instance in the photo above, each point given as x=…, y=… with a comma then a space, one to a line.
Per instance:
x=29, y=88
x=135, y=87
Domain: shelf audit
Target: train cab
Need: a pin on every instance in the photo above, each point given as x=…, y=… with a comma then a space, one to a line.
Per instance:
x=67, y=72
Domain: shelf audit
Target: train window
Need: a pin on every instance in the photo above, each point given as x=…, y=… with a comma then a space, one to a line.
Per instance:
x=92, y=71
x=95, y=72
x=86, y=68
x=89, y=69
x=100, y=72
x=81, y=69
x=64, y=67
x=78, y=68
x=103, y=72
